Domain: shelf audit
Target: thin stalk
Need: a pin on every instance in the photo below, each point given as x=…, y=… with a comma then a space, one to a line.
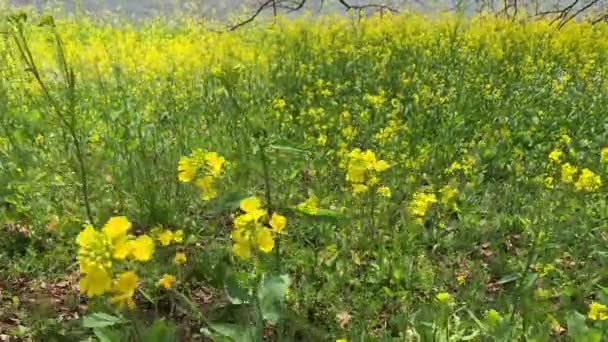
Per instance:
x=28, y=59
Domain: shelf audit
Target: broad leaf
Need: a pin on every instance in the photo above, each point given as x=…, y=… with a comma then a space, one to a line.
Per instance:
x=100, y=320
x=271, y=296
x=233, y=332
x=236, y=294
x=160, y=331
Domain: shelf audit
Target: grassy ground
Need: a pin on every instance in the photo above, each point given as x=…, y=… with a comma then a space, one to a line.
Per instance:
x=441, y=180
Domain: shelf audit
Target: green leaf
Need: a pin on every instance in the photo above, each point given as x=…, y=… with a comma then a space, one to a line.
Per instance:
x=103, y=335
x=100, y=320
x=323, y=215
x=288, y=149
x=160, y=331
x=234, y=332
x=236, y=294
x=508, y=279
x=577, y=326
x=271, y=296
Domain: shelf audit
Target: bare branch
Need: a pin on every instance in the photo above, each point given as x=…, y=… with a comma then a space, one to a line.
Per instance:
x=380, y=7
x=581, y=10
x=262, y=7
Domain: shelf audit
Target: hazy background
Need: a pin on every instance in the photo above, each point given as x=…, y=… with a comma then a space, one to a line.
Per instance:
x=221, y=9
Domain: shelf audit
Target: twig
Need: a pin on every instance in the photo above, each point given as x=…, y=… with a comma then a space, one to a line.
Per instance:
x=581, y=10
x=366, y=6
x=253, y=16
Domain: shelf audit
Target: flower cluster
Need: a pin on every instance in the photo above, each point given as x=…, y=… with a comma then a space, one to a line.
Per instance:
x=420, y=204
x=583, y=180
x=98, y=250
x=166, y=237
x=597, y=312
x=362, y=171
x=253, y=229
x=203, y=169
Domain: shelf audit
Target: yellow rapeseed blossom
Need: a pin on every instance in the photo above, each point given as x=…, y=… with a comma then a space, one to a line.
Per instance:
x=215, y=163
x=310, y=205
x=98, y=249
x=203, y=169
x=445, y=298
x=448, y=194
x=493, y=317
x=186, y=170
x=549, y=182
x=254, y=230
x=597, y=312
x=165, y=237
x=363, y=169
x=124, y=288
x=604, y=155
x=166, y=281
x=421, y=202
x=180, y=258
x=178, y=236
x=278, y=222
x=96, y=282
x=568, y=172
x=142, y=248
x=385, y=191
x=588, y=181
x=556, y=155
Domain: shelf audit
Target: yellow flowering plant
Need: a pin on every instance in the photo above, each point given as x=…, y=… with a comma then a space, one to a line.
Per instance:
x=204, y=169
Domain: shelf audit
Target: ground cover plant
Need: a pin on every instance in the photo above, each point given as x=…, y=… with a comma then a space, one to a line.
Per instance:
x=394, y=178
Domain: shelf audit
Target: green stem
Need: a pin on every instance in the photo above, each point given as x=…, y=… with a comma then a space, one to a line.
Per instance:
x=28, y=59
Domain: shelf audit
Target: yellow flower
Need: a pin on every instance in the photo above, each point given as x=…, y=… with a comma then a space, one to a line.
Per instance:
x=242, y=249
x=180, y=258
x=549, y=182
x=87, y=236
x=122, y=250
x=278, y=222
x=322, y=140
x=215, y=163
x=166, y=281
x=444, y=298
x=264, y=240
x=448, y=193
x=250, y=204
x=385, y=191
x=597, y=312
x=124, y=288
x=96, y=282
x=186, y=170
x=556, y=155
x=341, y=340
x=178, y=236
x=206, y=185
x=565, y=138
x=380, y=166
x=310, y=205
x=568, y=172
x=356, y=174
x=588, y=181
x=604, y=155
x=116, y=228
x=165, y=237
x=359, y=188
x=142, y=248
x=493, y=317
x=421, y=202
